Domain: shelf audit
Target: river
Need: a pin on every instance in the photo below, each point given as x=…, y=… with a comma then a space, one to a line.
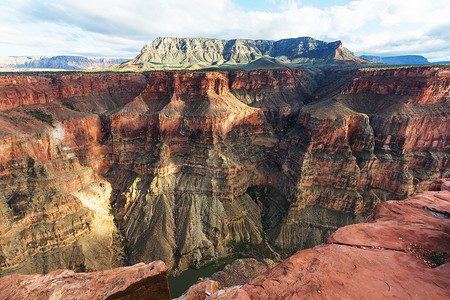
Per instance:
x=181, y=283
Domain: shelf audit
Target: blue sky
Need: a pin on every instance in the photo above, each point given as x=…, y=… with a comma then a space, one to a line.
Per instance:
x=119, y=28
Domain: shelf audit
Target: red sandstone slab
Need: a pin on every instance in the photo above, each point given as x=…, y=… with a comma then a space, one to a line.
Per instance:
x=140, y=281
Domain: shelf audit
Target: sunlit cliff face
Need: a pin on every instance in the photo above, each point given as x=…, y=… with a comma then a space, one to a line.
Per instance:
x=192, y=166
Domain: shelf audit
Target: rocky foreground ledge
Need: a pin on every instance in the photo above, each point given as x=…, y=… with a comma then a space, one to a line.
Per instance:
x=140, y=281
x=402, y=251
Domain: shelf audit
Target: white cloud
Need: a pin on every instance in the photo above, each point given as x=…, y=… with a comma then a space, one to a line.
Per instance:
x=120, y=28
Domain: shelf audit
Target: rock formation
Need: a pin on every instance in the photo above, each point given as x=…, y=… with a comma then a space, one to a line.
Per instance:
x=402, y=251
x=201, y=290
x=54, y=212
x=199, y=165
x=398, y=60
x=57, y=62
x=140, y=281
x=242, y=271
x=80, y=91
x=195, y=53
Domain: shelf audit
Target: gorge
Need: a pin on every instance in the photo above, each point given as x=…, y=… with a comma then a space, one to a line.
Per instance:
x=100, y=170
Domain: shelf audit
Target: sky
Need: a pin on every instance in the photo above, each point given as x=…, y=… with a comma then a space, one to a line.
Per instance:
x=119, y=28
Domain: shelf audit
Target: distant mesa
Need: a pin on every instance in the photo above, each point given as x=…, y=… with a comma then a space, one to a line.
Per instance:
x=200, y=53
x=173, y=53
x=57, y=62
x=399, y=60
x=168, y=53
x=403, y=60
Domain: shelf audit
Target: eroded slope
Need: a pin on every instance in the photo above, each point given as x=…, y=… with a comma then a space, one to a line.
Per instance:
x=203, y=164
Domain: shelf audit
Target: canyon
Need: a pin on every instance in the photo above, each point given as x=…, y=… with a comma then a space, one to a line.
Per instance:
x=401, y=251
x=100, y=170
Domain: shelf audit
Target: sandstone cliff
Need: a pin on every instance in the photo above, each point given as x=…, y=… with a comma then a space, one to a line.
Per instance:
x=402, y=251
x=205, y=164
x=82, y=92
x=54, y=212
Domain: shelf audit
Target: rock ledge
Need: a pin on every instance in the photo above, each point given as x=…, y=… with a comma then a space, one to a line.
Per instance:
x=393, y=255
x=140, y=281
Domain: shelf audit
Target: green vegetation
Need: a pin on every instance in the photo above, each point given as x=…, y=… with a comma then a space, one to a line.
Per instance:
x=68, y=104
x=246, y=248
x=364, y=155
x=178, y=284
x=145, y=69
x=436, y=257
x=42, y=116
x=243, y=247
x=119, y=246
x=381, y=66
x=257, y=193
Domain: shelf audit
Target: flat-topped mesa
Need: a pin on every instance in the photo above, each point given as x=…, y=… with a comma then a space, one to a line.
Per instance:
x=189, y=52
x=305, y=47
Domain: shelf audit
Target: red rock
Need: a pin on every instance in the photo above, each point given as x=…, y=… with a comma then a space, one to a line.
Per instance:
x=200, y=291
x=140, y=281
x=383, y=258
x=28, y=90
x=182, y=149
x=424, y=85
x=439, y=184
x=242, y=271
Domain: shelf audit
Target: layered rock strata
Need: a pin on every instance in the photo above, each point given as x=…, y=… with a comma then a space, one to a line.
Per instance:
x=402, y=251
x=140, y=281
x=196, y=53
x=54, y=212
x=372, y=260
x=80, y=91
x=205, y=164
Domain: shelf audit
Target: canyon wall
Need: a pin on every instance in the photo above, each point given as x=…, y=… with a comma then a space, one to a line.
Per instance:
x=81, y=91
x=199, y=165
x=54, y=212
x=401, y=251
